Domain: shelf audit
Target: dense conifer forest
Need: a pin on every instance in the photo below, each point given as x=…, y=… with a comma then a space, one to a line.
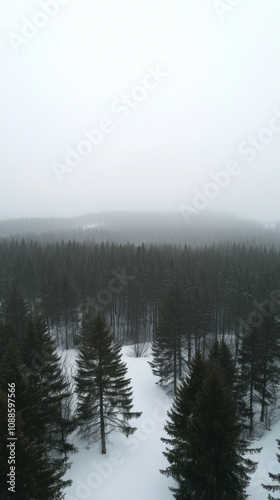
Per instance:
x=206, y=296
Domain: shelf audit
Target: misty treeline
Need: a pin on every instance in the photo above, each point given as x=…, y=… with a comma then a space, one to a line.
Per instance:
x=178, y=227
x=219, y=285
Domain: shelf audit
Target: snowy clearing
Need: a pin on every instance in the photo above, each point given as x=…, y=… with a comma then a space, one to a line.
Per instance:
x=130, y=470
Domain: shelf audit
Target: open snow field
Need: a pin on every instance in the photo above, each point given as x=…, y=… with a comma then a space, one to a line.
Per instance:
x=130, y=470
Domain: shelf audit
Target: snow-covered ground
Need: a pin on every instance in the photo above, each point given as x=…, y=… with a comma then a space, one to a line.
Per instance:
x=267, y=463
x=130, y=470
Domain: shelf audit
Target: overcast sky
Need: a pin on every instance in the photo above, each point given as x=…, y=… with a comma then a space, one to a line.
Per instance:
x=137, y=104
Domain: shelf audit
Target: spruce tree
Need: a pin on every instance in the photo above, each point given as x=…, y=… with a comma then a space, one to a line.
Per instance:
x=220, y=354
x=268, y=364
x=41, y=460
x=41, y=395
x=205, y=441
x=104, y=394
x=168, y=349
x=259, y=366
x=248, y=360
x=12, y=370
x=37, y=478
x=177, y=427
x=52, y=423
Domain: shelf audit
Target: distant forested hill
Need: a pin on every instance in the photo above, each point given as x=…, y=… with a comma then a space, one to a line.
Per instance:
x=144, y=227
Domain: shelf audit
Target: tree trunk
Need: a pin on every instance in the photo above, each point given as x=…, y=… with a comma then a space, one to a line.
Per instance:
x=251, y=405
x=263, y=402
x=66, y=329
x=101, y=402
x=175, y=368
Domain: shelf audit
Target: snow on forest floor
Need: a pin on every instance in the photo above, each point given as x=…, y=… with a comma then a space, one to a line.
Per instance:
x=267, y=461
x=130, y=470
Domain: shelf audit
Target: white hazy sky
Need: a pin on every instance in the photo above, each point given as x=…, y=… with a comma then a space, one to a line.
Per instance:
x=215, y=99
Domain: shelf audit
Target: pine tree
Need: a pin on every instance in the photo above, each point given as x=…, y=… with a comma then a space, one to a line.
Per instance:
x=259, y=366
x=52, y=423
x=41, y=395
x=36, y=476
x=168, y=349
x=205, y=434
x=104, y=393
x=275, y=478
x=40, y=465
x=12, y=370
x=177, y=427
x=248, y=360
x=221, y=355
x=268, y=363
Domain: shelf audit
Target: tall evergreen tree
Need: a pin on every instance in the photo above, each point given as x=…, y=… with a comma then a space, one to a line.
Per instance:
x=268, y=364
x=248, y=360
x=52, y=423
x=259, y=366
x=104, y=393
x=12, y=371
x=204, y=436
x=221, y=355
x=168, y=349
x=41, y=458
x=41, y=395
x=177, y=427
x=36, y=476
